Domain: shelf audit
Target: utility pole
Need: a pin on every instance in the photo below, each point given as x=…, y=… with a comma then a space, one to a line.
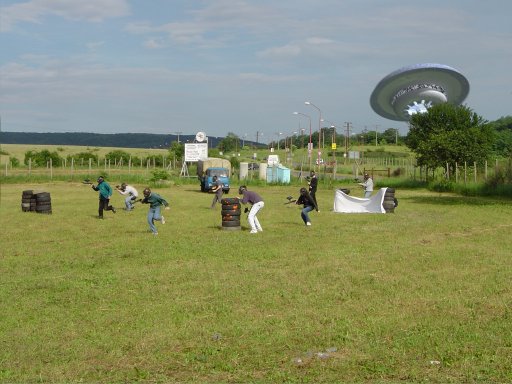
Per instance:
x=178, y=133
x=348, y=127
x=376, y=128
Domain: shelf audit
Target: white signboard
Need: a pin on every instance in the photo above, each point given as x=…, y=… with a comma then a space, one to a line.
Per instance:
x=273, y=160
x=353, y=154
x=196, y=151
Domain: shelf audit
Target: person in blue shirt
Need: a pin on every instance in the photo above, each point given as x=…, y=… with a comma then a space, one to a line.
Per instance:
x=105, y=192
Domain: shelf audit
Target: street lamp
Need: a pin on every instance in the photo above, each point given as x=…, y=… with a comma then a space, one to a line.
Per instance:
x=319, y=123
x=310, y=145
x=278, y=138
x=291, y=145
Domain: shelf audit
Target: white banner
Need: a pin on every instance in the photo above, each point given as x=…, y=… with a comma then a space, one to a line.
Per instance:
x=196, y=151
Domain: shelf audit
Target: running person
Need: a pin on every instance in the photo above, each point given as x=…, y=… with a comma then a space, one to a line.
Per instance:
x=155, y=201
x=130, y=193
x=105, y=192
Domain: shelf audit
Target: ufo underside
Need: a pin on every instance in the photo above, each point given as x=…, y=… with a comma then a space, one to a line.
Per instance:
x=415, y=88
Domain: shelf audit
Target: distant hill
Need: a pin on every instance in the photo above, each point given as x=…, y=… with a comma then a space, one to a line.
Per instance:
x=121, y=140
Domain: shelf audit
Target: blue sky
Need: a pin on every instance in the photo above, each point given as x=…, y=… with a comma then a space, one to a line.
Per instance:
x=219, y=66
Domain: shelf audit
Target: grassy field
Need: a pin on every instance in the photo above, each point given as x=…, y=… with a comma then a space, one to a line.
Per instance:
x=421, y=295
x=18, y=150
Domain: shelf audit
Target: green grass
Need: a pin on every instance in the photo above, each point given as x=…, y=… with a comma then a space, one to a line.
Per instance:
x=421, y=295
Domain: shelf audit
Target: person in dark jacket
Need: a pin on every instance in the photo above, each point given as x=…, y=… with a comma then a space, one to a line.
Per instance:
x=105, y=192
x=313, y=185
x=309, y=204
x=155, y=201
x=217, y=189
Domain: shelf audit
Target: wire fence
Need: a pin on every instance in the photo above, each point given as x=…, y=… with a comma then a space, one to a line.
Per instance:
x=381, y=167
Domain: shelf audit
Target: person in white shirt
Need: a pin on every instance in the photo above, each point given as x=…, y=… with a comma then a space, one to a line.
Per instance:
x=367, y=185
x=130, y=193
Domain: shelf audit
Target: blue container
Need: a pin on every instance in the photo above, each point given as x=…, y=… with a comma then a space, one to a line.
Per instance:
x=278, y=174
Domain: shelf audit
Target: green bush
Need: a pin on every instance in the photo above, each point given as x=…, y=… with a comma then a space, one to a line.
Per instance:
x=42, y=158
x=159, y=174
x=14, y=161
x=441, y=185
x=83, y=156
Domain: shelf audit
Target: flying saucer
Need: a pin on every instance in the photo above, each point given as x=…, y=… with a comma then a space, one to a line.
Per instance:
x=415, y=88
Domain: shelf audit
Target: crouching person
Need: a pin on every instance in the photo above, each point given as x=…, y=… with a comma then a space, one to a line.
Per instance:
x=130, y=193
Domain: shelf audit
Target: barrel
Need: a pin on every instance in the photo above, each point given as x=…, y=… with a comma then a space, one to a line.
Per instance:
x=26, y=200
x=43, y=203
x=390, y=201
x=230, y=213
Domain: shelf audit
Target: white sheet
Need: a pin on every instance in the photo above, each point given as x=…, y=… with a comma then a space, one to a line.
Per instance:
x=344, y=203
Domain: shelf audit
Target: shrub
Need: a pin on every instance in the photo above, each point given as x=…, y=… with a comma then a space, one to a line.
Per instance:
x=42, y=158
x=14, y=161
x=441, y=185
x=159, y=174
x=83, y=156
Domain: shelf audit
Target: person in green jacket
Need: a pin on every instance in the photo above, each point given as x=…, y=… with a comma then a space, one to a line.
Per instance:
x=155, y=201
x=105, y=192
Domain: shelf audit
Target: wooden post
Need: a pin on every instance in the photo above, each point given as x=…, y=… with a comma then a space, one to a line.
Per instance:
x=465, y=172
x=474, y=167
x=130, y=164
x=90, y=165
x=29, y=166
x=485, y=170
x=51, y=169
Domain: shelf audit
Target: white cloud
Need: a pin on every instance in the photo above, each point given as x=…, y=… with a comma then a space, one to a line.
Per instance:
x=35, y=11
x=154, y=43
x=92, y=46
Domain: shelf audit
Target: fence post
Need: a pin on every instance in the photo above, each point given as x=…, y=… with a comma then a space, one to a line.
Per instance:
x=465, y=172
x=474, y=166
x=51, y=169
x=130, y=164
x=447, y=172
x=90, y=165
x=29, y=166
